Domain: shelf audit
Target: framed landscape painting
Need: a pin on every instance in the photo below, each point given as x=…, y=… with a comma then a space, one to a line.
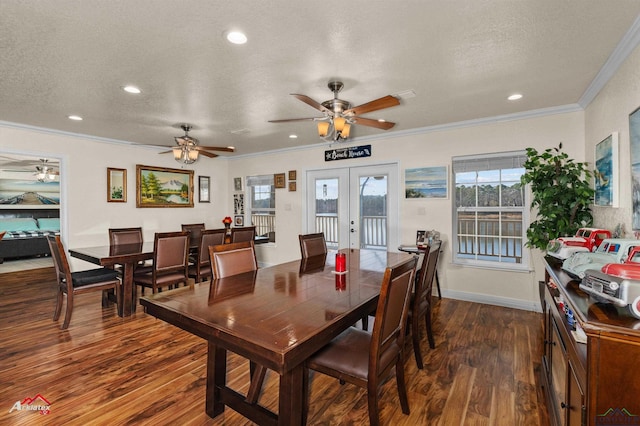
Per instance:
x=606, y=172
x=426, y=182
x=162, y=187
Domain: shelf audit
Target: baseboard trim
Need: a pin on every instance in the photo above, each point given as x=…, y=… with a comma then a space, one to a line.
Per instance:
x=505, y=302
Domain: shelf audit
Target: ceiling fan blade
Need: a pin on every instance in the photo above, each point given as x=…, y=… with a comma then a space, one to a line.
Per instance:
x=165, y=152
x=216, y=148
x=286, y=120
x=207, y=154
x=307, y=100
x=381, y=103
x=384, y=125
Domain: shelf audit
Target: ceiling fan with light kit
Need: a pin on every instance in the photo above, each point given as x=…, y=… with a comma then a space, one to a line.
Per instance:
x=44, y=171
x=339, y=115
x=187, y=149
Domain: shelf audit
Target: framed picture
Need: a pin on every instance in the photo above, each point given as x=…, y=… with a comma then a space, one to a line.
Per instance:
x=238, y=204
x=279, y=180
x=606, y=172
x=421, y=238
x=162, y=187
x=203, y=187
x=634, y=140
x=238, y=220
x=292, y=175
x=116, y=185
x=292, y=186
x=426, y=182
x=237, y=184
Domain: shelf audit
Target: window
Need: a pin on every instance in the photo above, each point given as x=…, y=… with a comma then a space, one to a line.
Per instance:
x=489, y=211
x=262, y=205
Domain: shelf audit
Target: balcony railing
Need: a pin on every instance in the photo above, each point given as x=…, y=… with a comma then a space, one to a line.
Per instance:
x=373, y=231
x=488, y=243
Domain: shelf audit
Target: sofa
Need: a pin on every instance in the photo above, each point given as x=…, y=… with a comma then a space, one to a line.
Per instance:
x=26, y=233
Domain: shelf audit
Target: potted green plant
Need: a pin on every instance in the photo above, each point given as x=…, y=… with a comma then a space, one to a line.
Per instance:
x=562, y=194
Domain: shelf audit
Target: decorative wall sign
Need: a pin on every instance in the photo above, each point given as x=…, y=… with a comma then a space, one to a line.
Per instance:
x=606, y=173
x=347, y=153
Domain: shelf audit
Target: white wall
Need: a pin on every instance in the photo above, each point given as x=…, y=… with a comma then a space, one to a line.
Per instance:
x=607, y=113
x=85, y=213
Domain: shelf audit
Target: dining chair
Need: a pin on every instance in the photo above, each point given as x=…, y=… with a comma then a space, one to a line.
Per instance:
x=200, y=268
x=170, y=262
x=235, y=259
x=421, y=300
x=312, y=244
x=367, y=359
x=127, y=236
x=73, y=283
x=246, y=233
x=195, y=232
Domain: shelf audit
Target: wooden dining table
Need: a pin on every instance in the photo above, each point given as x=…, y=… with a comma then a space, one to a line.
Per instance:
x=277, y=317
x=126, y=255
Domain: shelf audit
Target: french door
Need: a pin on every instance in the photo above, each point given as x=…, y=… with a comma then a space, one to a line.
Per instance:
x=355, y=207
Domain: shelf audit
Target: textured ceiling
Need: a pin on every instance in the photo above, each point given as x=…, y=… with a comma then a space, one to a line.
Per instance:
x=460, y=58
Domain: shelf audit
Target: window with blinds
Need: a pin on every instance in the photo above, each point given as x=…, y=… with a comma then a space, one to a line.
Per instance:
x=490, y=210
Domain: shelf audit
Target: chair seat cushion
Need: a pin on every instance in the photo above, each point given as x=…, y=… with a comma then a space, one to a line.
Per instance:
x=92, y=276
x=347, y=353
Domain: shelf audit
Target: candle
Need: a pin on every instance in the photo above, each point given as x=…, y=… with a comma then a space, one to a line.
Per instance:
x=341, y=262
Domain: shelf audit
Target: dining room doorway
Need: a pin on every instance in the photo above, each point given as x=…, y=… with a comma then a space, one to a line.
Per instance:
x=355, y=207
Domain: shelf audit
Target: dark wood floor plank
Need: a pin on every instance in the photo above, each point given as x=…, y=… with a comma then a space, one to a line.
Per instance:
x=110, y=370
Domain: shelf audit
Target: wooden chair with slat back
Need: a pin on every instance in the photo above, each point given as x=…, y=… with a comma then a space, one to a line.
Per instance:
x=235, y=259
x=312, y=245
x=421, y=300
x=74, y=283
x=170, y=262
x=247, y=233
x=367, y=359
x=201, y=270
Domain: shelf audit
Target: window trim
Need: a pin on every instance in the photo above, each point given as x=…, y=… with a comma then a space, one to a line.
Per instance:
x=485, y=162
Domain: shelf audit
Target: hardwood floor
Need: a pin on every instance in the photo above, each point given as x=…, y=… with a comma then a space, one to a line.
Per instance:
x=139, y=370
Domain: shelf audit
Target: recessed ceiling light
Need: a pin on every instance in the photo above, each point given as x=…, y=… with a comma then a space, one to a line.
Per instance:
x=293, y=136
x=515, y=97
x=75, y=117
x=236, y=37
x=131, y=89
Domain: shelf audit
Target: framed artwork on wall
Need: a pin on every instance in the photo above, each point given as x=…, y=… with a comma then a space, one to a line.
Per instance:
x=606, y=172
x=203, y=187
x=238, y=204
x=237, y=184
x=238, y=220
x=426, y=182
x=116, y=185
x=279, y=180
x=163, y=187
x=292, y=175
x=634, y=140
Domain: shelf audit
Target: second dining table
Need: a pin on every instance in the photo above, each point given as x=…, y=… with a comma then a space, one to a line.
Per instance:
x=277, y=317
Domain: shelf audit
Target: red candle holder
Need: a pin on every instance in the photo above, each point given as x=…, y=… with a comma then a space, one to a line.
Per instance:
x=341, y=262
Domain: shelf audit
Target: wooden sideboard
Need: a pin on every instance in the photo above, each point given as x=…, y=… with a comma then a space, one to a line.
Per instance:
x=597, y=383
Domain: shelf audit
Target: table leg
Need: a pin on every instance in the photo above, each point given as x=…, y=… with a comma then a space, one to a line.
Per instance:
x=216, y=378
x=292, y=397
x=128, y=295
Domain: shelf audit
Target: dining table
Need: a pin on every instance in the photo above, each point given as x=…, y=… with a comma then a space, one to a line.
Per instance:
x=125, y=255
x=276, y=317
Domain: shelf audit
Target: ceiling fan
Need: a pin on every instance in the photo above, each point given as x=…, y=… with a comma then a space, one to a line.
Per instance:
x=43, y=171
x=187, y=149
x=339, y=115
